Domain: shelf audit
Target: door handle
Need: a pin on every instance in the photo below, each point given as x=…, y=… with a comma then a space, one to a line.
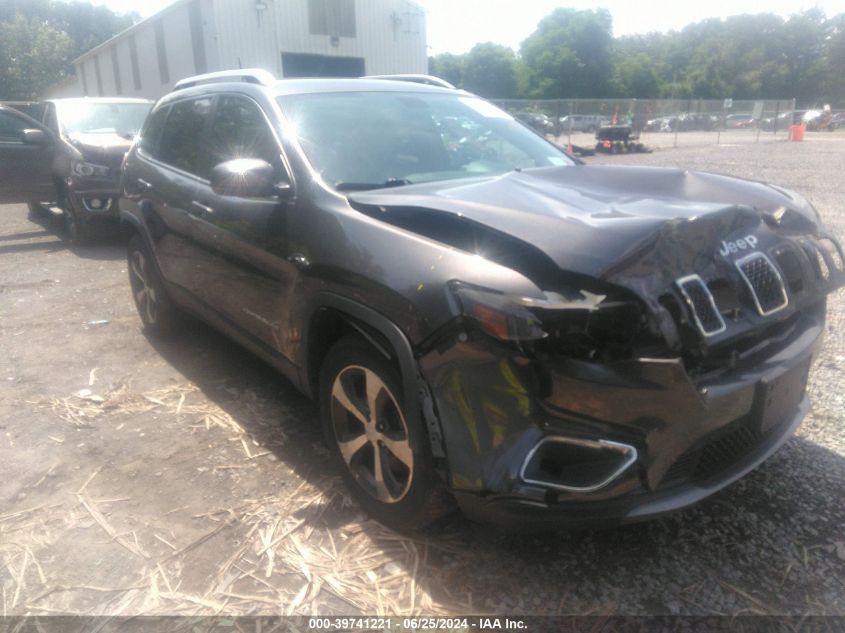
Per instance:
x=300, y=261
x=146, y=186
x=196, y=206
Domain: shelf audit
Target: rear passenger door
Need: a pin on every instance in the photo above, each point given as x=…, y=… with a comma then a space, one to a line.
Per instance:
x=245, y=238
x=165, y=182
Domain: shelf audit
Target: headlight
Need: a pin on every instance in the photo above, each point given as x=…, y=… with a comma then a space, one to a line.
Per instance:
x=85, y=170
x=508, y=317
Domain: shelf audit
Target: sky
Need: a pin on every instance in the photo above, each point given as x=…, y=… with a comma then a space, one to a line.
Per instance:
x=456, y=25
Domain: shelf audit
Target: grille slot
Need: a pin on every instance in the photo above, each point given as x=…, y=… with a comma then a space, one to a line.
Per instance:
x=717, y=453
x=832, y=250
x=701, y=304
x=725, y=451
x=789, y=263
x=764, y=282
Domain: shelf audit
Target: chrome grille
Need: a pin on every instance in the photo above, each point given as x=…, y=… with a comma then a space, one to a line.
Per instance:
x=701, y=304
x=764, y=282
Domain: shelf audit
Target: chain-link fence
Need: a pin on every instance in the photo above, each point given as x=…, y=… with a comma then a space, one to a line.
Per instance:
x=659, y=122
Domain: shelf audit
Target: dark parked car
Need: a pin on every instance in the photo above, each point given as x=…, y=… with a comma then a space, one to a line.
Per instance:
x=537, y=121
x=490, y=321
x=837, y=121
x=81, y=142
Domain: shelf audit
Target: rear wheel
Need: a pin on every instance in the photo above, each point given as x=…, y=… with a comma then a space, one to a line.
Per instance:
x=154, y=307
x=385, y=461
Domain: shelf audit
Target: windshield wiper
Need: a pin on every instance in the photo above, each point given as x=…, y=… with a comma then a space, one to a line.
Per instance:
x=364, y=186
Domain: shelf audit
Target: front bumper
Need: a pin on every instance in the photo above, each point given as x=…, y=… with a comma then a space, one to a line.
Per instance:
x=692, y=437
x=514, y=513
x=94, y=198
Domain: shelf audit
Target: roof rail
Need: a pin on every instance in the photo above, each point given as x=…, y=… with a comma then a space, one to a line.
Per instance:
x=419, y=79
x=245, y=75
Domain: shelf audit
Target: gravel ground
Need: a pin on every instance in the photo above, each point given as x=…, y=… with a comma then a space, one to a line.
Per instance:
x=186, y=477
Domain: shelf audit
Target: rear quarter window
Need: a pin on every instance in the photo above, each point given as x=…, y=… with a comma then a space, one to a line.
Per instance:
x=151, y=133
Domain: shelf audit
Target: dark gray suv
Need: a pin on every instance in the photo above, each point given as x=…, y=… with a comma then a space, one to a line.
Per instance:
x=68, y=152
x=481, y=317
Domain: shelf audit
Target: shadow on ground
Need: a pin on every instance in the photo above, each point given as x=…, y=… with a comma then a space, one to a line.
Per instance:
x=771, y=543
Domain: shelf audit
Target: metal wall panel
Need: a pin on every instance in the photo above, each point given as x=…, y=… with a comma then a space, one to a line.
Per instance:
x=389, y=36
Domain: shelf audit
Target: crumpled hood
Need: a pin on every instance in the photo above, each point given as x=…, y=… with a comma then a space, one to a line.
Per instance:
x=597, y=220
x=102, y=149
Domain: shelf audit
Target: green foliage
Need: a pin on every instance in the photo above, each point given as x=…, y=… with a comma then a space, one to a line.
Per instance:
x=573, y=54
x=40, y=38
x=569, y=55
x=449, y=67
x=33, y=56
x=490, y=71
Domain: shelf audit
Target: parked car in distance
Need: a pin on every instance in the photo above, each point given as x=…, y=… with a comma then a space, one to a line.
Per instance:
x=837, y=121
x=739, y=121
x=80, y=147
x=537, y=121
x=781, y=122
x=692, y=121
x=661, y=124
x=583, y=122
x=487, y=321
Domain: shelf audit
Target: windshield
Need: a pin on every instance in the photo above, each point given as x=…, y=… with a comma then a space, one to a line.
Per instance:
x=365, y=140
x=86, y=117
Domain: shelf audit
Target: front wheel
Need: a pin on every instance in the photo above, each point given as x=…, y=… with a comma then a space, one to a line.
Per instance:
x=385, y=461
x=157, y=313
x=78, y=231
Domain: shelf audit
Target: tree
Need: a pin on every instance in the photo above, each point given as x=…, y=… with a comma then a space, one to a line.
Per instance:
x=834, y=72
x=40, y=38
x=635, y=76
x=490, y=71
x=569, y=55
x=33, y=56
x=447, y=66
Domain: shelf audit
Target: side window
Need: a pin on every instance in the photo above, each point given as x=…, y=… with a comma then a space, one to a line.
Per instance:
x=11, y=128
x=182, y=136
x=151, y=133
x=239, y=130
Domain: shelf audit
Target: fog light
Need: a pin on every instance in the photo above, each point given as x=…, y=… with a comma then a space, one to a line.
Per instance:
x=576, y=465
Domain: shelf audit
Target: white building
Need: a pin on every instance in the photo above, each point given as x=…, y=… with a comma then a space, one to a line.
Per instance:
x=290, y=38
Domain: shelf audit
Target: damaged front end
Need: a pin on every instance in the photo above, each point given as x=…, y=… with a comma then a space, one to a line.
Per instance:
x=599, y=404
x=660, y=351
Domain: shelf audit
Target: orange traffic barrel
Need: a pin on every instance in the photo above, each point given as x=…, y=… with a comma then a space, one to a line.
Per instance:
x=796, y=132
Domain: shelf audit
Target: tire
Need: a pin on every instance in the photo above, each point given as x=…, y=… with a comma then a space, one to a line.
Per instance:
x=78, y=231
x=407, y=494
x=157, y=312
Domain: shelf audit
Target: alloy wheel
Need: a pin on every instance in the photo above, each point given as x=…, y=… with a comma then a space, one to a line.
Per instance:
x=372, y=434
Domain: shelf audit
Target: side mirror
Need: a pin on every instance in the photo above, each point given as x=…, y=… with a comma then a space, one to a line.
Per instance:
x=247, y=178
x=34, y=137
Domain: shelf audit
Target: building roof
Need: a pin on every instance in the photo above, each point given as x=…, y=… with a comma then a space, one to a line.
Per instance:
x=123, y=34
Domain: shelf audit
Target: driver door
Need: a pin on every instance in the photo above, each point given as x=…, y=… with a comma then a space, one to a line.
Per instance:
x=26, y=159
